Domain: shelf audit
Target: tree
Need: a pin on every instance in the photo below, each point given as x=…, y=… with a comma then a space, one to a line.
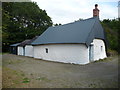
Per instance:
x=112, y=29
x=22, y=20
x=57, y=24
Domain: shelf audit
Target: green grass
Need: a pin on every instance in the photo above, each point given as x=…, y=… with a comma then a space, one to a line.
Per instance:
x=106, y=59
x=26, y=80
x=13, y=78
x=13, y=62
x=5, y=53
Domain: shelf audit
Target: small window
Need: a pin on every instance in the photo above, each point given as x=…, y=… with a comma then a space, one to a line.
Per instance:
x=101, y=48
x=46, y=50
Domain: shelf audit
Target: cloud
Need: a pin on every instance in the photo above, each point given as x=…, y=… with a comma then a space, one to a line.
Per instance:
x=66, y=11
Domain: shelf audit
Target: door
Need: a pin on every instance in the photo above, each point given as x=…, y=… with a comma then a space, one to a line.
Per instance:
x=23, y=51
x=91, y=52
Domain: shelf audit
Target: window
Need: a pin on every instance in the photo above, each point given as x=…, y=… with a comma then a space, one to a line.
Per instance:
x=46, y=50
x=101, y=48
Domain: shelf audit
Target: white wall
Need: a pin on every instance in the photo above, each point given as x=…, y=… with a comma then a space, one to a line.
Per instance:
x=70, y=53
x=20, y=50
x=29, y=50
x=99, y=53
x=67, y=53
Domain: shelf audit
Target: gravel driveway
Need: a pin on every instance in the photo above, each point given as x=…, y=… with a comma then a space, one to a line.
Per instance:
x=46, y=74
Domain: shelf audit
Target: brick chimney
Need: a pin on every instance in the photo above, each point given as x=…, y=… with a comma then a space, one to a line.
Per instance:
x=96, y=11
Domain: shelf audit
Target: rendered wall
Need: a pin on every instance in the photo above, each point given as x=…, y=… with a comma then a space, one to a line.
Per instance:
x=20, y=50
x=70, y=53
x=67, y=53
x=99, y=49
x=29, y=50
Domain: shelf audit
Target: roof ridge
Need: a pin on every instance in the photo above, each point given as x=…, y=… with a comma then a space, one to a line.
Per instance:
x=74, y=22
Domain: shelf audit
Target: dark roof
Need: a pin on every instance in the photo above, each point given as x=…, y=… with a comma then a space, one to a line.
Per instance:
x=15, y=44
x=83, y=31
x=24, y=43
x=27, y=42
x=32, y=40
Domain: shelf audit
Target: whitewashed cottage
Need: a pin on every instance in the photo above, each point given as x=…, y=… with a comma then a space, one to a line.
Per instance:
x=80, y=42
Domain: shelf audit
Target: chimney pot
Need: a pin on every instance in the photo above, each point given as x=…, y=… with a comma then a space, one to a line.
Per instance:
x=96, y=11
x=96, y=5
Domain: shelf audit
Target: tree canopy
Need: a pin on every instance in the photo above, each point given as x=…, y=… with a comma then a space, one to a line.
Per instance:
x=112, y=29
x=22, y=20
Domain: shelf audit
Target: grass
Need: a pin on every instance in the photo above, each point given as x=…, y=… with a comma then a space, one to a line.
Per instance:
x=105, y=59
x=4, y=53
x=17, y=79
x=13, y=61
x=13, y=78
x=26, y=80
x=42, y=79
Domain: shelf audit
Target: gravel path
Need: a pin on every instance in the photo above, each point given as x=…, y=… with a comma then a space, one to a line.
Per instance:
x=42, y=74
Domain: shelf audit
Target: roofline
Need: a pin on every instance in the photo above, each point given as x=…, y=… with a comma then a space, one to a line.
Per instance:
x=54, y=43
x=62, y=43
x=73, y=22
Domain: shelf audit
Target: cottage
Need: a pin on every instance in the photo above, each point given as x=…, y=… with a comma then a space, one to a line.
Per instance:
x=79, y=42
x=24, y=48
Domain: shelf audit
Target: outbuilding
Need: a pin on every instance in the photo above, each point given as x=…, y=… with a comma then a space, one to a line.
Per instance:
x=80, y=42
x=13, y=48
x=21, y=47
x=25, y=48
x=29, y=48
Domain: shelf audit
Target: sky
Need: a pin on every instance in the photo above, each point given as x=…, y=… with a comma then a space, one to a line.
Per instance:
x=66, y=11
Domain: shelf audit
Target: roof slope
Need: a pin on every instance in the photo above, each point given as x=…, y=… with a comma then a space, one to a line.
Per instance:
x=27, y=42
x=83, y=31
x=15, y=44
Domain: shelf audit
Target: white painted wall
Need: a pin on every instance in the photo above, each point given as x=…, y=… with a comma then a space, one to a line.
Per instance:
x=70, y=53
x=29, y=50
x=99, y=53
x=20, y=50
x=67, y=53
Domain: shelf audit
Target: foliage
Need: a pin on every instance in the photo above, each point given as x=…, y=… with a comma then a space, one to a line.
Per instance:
x=112, y=28
x=26, y=80
x=57, y=24
x=22, y=20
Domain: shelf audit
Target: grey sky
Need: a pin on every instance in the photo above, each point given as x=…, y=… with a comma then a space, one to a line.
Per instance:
x=66, y=11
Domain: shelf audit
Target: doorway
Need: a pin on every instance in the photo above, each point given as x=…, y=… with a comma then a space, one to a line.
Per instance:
x=23, y=51
x=91, y=53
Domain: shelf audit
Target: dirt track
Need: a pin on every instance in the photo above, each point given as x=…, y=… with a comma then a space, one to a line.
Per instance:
x=42, y=74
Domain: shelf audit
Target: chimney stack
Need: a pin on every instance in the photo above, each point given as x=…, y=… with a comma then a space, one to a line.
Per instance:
x=96, y=11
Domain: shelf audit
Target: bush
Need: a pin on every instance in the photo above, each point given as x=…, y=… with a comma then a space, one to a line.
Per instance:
x=111, y=52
